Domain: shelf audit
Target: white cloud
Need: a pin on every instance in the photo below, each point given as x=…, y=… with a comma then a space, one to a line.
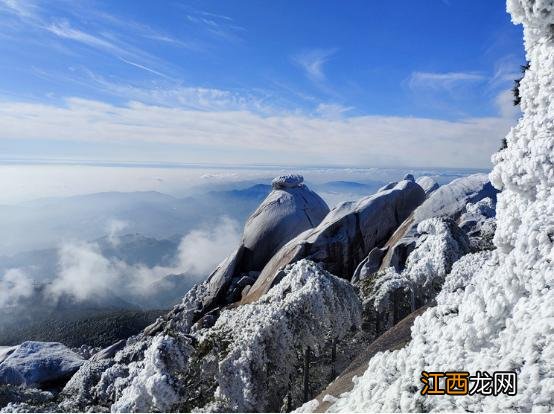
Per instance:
x=506, y=71
x=146, y=68
x=505, y=103
x=255, y=139
x=332, y=111
x=115, y=227
x=64, y=30
x=33, y=15
x=24, y=9
x=85, y=273
x=215, y=25
x=14, y=286
x=313, y=62
x=447, y=80
x=175, y=95
x=202, y=250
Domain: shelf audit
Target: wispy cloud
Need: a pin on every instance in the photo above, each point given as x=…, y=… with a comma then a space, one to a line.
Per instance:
x=21, y=8
x=146, y=68
x=64, y=30
x=176, y=95
x=313, y=62
x=506, y=70
x=216, y=25
x=33, y=18
x=332, y=111
x=138, y=29
x=446, y=80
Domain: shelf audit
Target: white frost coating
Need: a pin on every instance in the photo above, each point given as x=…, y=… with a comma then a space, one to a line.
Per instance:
x=5, y=351
x=504, y=318
x=307, y=308
x=287, y=181
x=479, y=223
x=150, y=388
x=438, y=247
x=450, y=199
x=482, y=208
x=35, y=362
x=308, y=407
x=428, y=184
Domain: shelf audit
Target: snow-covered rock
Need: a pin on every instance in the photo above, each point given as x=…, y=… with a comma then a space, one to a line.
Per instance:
x=287, y=211
x=5, y=351
x=389, y=295
x=428, y=184
x=479, y=223
x=149, y=385
x=346, y=235
x=287, y=181
x=79, y=391
x=495, y=311
x=449, y=200
x=17, y=399
x=34, y=363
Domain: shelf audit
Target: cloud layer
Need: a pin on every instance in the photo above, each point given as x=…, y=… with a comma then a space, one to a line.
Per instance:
x=85, y=273
x=245, y=136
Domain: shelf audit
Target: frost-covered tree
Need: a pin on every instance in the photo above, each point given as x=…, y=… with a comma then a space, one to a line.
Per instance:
x=247, y=360
x=389, y=296
x=267, y=339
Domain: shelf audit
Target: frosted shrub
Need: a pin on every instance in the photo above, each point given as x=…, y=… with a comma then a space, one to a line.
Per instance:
x=390, y=296
x=267, y=338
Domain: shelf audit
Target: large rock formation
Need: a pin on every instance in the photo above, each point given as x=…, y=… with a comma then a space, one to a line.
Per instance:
x=346, y=235
x=287, y=211
x=35, y=363
x=145, y=361
x=448, y=201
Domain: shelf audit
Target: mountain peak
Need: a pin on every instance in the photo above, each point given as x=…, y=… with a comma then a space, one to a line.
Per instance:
x=287, y=181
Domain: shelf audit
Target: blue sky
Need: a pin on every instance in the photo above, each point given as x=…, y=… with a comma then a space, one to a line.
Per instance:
x=361, y=83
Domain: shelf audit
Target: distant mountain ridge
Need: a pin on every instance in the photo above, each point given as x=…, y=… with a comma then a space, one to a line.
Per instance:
x=88, y=217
